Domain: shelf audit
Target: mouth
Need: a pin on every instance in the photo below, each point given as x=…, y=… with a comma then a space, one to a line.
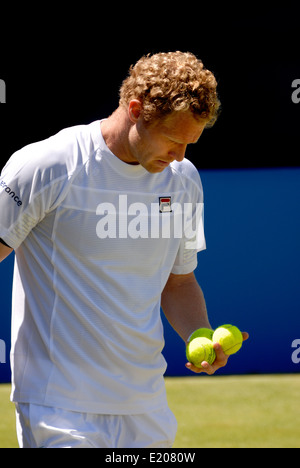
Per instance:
x=164, y=163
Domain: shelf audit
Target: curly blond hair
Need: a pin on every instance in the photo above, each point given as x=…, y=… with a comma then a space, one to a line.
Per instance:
x=173, y=81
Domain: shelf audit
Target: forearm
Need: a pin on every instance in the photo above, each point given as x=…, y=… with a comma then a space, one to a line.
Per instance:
x=5, y=250
x=184, y=305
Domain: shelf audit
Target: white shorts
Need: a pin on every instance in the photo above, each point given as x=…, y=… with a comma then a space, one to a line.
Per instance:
x=44, y=427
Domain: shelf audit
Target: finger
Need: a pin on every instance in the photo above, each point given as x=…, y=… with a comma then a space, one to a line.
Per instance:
x=205, y=368
x=245, y=336
x=191, y=367
x=220, y=355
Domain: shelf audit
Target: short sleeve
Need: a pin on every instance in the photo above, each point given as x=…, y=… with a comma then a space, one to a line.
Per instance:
x=31, y=185
x=193, y=239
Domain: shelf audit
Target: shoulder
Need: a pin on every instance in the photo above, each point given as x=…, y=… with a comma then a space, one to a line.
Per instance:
x=55, y=157
x=188, y=173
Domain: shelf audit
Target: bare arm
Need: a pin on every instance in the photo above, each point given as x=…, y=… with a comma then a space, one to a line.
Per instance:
x=184, y=305
x=4, y=251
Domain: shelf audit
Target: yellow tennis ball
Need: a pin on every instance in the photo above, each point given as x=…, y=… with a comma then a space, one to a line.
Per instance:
x=199, y=350
x=202, y=332
x=229, y=337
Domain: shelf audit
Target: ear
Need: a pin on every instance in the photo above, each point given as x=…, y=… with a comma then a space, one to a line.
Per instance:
x=135, y=108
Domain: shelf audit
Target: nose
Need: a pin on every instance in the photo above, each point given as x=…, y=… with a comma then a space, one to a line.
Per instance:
x=179, y=153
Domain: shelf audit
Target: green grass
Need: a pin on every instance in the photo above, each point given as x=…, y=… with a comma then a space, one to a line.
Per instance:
x=236, y=412
x=212, y=412
x=8, y=438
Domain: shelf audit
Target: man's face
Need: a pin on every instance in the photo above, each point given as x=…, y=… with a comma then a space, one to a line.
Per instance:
x=156, y=145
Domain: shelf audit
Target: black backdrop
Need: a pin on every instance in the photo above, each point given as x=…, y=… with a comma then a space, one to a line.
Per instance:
x=64, y=67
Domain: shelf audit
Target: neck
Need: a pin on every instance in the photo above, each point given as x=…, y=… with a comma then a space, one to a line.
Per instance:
x=115, y=131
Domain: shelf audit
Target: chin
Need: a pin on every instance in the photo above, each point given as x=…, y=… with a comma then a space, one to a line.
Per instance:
x=155, y=170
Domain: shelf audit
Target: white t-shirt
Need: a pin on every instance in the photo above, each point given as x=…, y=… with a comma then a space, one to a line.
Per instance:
x=95, y=240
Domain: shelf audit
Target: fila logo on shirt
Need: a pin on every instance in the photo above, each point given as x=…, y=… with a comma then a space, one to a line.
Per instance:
x=165, y=205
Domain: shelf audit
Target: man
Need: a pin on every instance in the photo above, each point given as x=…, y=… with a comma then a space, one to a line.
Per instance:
x=106, y=222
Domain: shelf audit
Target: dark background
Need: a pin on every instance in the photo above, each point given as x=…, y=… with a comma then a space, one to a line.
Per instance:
x=64, y=67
